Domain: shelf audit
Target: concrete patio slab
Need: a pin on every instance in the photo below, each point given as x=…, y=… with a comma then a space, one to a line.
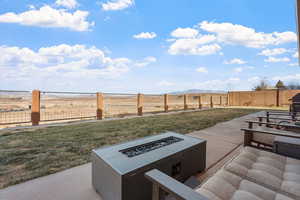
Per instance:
x=75, y=183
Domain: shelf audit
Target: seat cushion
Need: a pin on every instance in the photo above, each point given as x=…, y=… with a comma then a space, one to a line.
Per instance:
x=268, y=169
x=228, y=186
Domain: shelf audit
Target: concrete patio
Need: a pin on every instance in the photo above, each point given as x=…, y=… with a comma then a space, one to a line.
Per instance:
x=75, y=183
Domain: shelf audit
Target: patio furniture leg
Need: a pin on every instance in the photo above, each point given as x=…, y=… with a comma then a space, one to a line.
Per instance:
x=260, y=119
x=248, y=136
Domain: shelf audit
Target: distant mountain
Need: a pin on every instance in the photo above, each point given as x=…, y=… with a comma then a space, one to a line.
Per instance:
x=197, y=91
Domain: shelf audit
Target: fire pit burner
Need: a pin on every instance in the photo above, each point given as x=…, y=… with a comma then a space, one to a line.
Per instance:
x=144, y=148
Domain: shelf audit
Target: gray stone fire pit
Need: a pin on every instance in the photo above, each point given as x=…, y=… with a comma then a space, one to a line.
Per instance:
x=118, y=170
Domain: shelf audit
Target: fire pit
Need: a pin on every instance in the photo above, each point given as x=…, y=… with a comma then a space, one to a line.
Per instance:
x=118, y=170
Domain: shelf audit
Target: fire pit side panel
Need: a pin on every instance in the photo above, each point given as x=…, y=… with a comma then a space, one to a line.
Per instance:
x=105, y=180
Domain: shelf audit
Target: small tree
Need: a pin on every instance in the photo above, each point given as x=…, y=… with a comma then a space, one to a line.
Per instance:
x=280, y=85
x=263, y=85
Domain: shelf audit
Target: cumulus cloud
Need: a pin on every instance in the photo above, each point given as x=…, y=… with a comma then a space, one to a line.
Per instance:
x=50, y=17
x=296, y=55
x=254, y=79
x=294, y=64
x=145, y=35
x=237, y=61
x=220, y=84
x=195, y=41
x=273, y=52
x=292, y=77
x=146, y=61
x=184, y=33
x=241, y=69
x=64, y=61
x=202, y=70
x=235, y=34
x=165, y=83
x=275, y=60
x=117, y=5
x=70, y=4
x=194, y=46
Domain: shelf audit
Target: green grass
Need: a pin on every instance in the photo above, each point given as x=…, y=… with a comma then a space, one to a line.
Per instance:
x=28, y=154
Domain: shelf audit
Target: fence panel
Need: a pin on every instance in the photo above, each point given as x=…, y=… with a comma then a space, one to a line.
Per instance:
x=15, y=108
x=153, y=103
x=120, y=105
x=176, y=102
x=56, y=106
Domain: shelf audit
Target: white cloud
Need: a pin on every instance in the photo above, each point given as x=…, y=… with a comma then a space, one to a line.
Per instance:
x=296, y=55
x=220, y=84
x=70, y=4
x=49, y=17
x=241, y=35
x=62, y=61
x=185, y=33
x=194, y=46
x=165, y=83
x=273, y=52
x=146, y=61
x=235, y=61
x=117, y=5
x=274, y=59
x=254, y=79
x=188, y=41
x=241, y=69
x=292, y=77
x=202, y=70
x=294, y=64
x=145, y=35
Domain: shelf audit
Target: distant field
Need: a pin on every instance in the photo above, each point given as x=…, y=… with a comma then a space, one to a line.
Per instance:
x=16, y=108
x=28, y=154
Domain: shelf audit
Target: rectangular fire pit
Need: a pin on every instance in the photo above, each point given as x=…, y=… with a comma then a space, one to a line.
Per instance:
x=118, y=170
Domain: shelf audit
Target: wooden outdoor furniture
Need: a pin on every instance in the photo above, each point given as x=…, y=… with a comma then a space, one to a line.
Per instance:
x=295, y=105
x=277, y=119
x=253, y=174
x=263, y=138
x=288, y=126
x=287, y=146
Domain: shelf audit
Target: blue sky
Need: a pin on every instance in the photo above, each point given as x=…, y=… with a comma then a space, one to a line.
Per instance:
x=146, y=46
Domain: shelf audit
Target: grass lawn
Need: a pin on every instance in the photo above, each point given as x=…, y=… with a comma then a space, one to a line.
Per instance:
x=28, y=154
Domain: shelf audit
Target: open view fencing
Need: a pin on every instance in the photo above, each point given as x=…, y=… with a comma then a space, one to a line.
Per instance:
x=40, y=107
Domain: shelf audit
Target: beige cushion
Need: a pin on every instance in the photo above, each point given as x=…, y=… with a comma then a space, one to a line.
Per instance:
x=268, y=169
x=227, y=186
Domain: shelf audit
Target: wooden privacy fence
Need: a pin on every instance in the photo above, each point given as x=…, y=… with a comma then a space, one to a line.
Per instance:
x=261, y=98
x=45, y=106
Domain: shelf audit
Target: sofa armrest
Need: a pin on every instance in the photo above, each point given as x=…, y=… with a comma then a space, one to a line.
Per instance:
x=171, y=186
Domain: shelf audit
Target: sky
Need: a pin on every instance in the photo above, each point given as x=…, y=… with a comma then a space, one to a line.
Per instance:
x=146, y=46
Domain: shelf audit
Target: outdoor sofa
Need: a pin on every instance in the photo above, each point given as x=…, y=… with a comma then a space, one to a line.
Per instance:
x=254, y=174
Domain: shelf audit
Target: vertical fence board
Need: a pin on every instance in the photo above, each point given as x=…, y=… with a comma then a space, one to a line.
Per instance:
x=140, y=104
x=100, y=106
x=36, y=107
x=166, y=102
x=185, y=103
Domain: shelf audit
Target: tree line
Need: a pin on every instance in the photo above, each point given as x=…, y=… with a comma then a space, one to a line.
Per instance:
x=264, y=85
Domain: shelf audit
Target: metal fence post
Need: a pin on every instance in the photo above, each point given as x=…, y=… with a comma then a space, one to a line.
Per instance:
x=100, y=106
x=36, y=107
